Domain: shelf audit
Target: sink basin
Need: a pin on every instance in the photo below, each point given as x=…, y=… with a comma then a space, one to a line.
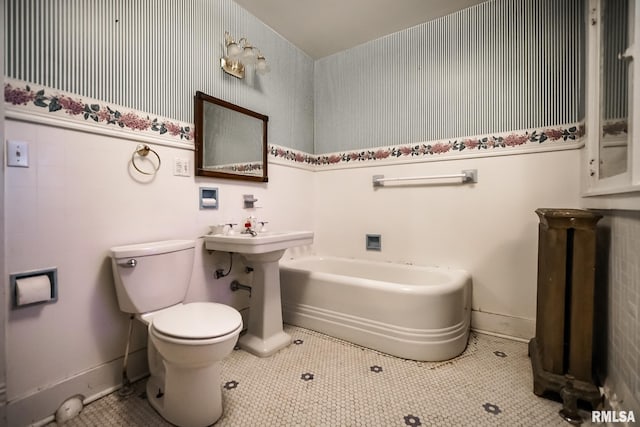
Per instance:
x=269, y=241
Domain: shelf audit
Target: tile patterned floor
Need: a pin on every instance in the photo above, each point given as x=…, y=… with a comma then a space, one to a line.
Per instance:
x=323, y=381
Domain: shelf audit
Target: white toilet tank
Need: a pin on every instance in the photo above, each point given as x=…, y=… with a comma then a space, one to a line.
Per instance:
x=151, y=276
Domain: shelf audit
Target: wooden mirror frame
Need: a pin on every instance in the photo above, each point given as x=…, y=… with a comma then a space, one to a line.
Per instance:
x=199, y=99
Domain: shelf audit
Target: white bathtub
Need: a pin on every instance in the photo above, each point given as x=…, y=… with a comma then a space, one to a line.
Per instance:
x=419, y=313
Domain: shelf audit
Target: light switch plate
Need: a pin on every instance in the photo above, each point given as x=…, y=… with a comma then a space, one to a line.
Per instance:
x=18, y=154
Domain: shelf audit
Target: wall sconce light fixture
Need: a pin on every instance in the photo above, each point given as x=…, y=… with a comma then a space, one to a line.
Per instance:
x=240, y=55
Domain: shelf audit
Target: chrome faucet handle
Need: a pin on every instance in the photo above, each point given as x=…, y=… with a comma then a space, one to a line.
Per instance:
x=262, y=226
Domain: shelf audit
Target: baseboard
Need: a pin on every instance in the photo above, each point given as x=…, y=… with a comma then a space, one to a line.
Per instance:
x=501, y=325
x=92, y=384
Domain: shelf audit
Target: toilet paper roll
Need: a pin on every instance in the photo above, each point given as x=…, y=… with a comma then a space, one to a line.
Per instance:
x=33, y=289
x=209, y=202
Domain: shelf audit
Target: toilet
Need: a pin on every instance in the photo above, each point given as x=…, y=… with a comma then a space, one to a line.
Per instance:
x=187, y=341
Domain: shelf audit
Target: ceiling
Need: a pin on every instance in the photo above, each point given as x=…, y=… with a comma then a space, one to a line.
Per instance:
x=324, y=27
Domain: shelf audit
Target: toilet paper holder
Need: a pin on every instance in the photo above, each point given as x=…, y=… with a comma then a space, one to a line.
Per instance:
x=51, y=273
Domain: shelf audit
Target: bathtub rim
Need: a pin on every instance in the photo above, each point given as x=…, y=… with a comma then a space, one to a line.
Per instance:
x=455, y=277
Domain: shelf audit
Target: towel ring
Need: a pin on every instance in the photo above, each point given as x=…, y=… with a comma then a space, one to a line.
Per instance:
x=143, y=150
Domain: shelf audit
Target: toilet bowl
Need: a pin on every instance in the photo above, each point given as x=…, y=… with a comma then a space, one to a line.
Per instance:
x=191, y=340
x=187, y=341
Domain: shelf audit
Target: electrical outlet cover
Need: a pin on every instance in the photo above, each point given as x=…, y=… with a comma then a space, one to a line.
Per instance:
x=181, y=167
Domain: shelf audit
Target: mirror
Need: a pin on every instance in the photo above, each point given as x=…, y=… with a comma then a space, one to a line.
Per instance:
x=231, y=141
x=614, y=87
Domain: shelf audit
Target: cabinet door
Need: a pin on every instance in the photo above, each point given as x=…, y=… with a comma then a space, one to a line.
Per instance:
x=613, y=106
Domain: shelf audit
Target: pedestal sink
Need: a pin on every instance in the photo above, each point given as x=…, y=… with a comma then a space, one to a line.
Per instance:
x=264, y=335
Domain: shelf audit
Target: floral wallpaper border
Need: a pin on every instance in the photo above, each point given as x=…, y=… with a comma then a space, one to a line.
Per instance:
x=35, y=101
x=616, y=127
x=531, y=139
x=46, y=100
x=246, y=168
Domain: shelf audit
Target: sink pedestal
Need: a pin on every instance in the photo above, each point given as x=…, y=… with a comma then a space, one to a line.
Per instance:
x=265, y=335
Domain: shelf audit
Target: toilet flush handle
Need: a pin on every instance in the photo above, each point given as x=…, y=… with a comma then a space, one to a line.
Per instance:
x=130, y=263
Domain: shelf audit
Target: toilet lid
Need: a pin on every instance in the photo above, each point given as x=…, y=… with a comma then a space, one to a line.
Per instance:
x=198, y=320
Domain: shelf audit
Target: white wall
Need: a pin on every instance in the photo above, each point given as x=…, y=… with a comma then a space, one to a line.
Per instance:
x=79, y=197
x=489, y=228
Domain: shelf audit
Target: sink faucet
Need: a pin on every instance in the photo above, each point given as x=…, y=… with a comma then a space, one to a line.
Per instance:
x=248, y=228
x=251, y=231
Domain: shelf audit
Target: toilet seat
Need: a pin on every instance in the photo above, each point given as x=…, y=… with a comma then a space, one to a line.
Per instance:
x=197, y=321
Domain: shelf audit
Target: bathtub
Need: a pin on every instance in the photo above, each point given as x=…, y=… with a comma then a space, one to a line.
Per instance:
x=419, y=313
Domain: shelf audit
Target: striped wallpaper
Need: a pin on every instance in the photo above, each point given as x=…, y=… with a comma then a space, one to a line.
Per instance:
x=502, y=65
x=152, y=55
x=499, y=66
x=615, y=33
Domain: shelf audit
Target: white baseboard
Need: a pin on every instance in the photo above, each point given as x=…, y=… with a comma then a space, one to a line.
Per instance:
x=92, y=384
x=517, y=328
